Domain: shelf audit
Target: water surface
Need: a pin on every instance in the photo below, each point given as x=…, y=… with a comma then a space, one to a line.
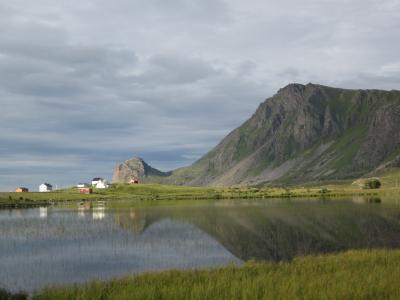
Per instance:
x=47, y=246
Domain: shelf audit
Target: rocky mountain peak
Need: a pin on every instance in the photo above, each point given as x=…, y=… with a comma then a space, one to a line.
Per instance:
x=302, y=133
x=136, y=168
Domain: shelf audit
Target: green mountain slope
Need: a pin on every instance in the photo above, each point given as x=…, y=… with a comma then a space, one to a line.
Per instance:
x=303, y=133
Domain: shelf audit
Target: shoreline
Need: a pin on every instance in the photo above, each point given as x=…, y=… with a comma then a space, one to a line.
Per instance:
x=154, y=192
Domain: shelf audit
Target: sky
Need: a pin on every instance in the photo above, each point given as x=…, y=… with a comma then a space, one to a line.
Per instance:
x=85, y=85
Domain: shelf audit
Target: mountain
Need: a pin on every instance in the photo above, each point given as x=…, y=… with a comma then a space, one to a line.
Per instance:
x=303, y=133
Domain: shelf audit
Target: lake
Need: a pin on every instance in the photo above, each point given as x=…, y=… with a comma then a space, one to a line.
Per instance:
x=62, y=245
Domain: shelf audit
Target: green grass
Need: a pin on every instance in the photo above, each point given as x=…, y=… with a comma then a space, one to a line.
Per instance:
x=36, y=198
x=351, y=275
x=153, y=192
x=348, y=146
x=390, y=179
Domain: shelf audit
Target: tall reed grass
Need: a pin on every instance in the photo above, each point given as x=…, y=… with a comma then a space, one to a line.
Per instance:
x=351, y=275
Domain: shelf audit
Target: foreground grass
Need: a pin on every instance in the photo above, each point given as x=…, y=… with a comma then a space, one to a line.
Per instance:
x=351, y=275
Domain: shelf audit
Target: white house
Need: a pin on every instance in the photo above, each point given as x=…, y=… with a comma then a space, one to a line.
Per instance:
x=45, y=187
x=102, y=184
x=96, y=180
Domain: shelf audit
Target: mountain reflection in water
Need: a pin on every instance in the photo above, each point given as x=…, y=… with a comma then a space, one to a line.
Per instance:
x=47, y=246
x=281, y=231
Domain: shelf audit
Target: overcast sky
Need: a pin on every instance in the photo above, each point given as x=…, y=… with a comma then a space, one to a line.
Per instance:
x=87, y=84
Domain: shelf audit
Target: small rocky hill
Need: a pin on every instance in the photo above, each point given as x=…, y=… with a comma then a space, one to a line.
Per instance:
x=301, y=134
x=135, y=168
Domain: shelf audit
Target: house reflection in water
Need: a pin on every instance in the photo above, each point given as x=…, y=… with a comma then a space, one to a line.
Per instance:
x=134, y=221
x=43, y=212
x=98, y=213
x=99, y=210
x=82, y=208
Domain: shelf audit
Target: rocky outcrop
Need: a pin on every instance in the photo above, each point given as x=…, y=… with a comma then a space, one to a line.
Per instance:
x=304, y=133
x=135, y=168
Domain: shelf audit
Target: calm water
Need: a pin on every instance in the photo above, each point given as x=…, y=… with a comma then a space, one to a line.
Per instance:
x=47, y=246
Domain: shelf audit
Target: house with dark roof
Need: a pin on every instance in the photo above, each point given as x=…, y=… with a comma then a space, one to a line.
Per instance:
x=45, y=187
x=96, y=180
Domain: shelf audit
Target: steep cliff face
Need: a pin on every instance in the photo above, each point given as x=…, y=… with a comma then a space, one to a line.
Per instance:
x=304, y=133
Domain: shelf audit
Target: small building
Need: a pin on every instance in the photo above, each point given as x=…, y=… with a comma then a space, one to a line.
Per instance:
x=102, y=184
x=96, y=180
x=82, y=185
x=45, y=187
x=85, y=190
x=21, y=190
x=133, y=181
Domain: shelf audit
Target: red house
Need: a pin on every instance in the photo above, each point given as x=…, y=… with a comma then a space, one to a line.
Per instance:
x=85, y=190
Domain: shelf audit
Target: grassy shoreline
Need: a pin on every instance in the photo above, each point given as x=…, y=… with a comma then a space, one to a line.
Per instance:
x=390, y=188
x=358, y=274
x=163, y=192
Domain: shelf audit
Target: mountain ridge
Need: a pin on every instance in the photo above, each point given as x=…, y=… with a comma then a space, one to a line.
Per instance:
x=302, y=133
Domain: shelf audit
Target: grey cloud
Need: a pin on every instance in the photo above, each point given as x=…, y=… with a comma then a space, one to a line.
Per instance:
x=177, y=70
x=175, y=11
x=84, y=85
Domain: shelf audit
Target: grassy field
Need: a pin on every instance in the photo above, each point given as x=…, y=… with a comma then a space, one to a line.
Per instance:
x=166, y=192
x=390, y=187
x=351, y=275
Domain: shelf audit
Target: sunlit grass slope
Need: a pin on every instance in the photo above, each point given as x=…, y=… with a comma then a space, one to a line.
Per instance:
x=351, y=275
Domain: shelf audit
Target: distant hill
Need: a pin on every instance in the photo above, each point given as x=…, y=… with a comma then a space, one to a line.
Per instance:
x=135, y=168
x=304, y=133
